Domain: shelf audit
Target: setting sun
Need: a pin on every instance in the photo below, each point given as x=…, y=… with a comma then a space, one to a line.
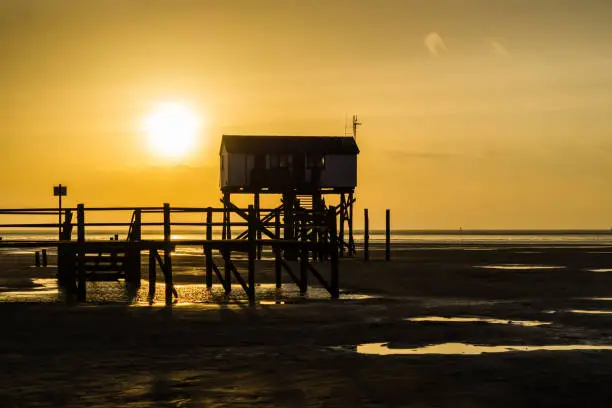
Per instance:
x=172, y=130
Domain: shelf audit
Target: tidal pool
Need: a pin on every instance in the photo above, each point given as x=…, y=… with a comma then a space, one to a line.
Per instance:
x=527, y=323
x=520, y=267
x=468, y=349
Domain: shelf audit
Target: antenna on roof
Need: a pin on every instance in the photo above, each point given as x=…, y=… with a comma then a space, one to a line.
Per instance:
x=355, y=124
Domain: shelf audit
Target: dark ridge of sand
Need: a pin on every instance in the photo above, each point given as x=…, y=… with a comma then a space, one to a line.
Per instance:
x=289, y=355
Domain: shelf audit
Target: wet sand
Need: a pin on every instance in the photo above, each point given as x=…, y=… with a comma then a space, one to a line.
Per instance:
x=304, y=353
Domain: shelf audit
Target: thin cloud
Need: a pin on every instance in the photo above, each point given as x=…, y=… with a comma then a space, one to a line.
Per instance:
x=404, y=154
x=435, y=44
x=499, y=49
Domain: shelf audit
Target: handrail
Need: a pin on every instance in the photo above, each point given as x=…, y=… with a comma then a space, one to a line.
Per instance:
x=215, y=209
x=54, y=211
x=28, y=211
x=127, y=224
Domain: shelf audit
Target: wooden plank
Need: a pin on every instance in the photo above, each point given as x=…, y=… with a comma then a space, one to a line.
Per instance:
x=343, y=212
x=388, y=235
x=303, y=261
x=366, y=235
x=277, y=250
x=46, y=225
x=334, y=281
x=287, y=267
x=227, y=268
x=152, y=274
x=81, y=287
x=208, y=251
x=350, y=225
x=240, y=280
x=169, y=285
x=320, y=278
x=254, y=222
x=218, y=273
x=253, y=253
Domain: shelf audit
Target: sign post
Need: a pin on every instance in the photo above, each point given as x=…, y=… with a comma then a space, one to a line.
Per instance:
x=60, y=191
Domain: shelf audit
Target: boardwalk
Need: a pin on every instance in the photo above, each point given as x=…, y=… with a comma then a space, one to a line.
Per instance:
x=83, y=258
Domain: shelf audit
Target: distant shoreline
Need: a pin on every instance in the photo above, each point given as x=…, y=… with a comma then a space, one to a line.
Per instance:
x=357, y=231
x=492, y=231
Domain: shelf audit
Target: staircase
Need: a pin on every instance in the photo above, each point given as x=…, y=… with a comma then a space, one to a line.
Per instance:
x=108, y=266
x=305, y=202
x=115, y=263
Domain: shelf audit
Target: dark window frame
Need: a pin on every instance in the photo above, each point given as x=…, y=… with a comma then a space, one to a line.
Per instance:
x=279, y=161
x=315, y=161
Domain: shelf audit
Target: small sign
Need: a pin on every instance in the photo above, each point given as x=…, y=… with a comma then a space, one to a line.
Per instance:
x=60, y=190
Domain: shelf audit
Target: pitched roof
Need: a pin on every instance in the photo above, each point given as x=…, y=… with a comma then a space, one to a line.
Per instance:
x=289, y=144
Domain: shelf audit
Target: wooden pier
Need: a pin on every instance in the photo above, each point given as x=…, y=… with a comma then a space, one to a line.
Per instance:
x=83, y=258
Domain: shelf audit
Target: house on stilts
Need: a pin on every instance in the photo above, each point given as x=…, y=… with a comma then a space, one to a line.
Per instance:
x=309, y=173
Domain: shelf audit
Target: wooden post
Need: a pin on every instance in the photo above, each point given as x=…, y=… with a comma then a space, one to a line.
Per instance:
x=258, y=218
x=67, y=227
x=252, y=228
x=59, y=213
x=303, y=260
x=388, y=236
x=152, y=275
x=167, y=255
x=44, y=257
x=37, y=259
x=137, y=228
x=133, y=274
x=342, y=218
x=317, y=221
x=227, y=278
x=207, y=250
x=81, y=288
x=366, y=235
x=289, y=223
x=277, y=250
x=227, y=230
x=333, y=236
x=351, y=245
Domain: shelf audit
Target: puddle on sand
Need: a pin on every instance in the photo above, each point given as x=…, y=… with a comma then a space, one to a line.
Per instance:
x=466, y=349
x=519, y=267
x=528, y=323
x=43, y=290
x=596, y=312
x=272, y=302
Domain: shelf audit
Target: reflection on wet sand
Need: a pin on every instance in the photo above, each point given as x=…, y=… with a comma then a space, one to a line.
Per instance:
x=599, y=312
x=467, y=349
x=520, y=267
x=47, y=291
x=529, y=323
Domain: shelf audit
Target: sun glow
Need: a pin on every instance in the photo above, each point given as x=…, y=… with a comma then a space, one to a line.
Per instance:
x=172, y=130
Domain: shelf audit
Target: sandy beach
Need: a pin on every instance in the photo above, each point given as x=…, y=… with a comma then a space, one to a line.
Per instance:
x=315, y=352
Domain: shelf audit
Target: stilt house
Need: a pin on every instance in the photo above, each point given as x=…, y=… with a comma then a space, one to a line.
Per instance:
x=277, y=164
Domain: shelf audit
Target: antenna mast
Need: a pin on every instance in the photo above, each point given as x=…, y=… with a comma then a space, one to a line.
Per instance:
x=356, y=123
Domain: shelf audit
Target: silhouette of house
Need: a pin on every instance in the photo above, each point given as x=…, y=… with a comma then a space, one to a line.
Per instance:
x=277, y=164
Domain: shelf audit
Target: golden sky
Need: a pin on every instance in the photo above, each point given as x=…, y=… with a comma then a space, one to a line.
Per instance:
x=481, y=114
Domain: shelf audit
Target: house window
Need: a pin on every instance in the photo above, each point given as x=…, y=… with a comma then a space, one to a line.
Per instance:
x=275, y=161
x=315, y=161
x=285, y=160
